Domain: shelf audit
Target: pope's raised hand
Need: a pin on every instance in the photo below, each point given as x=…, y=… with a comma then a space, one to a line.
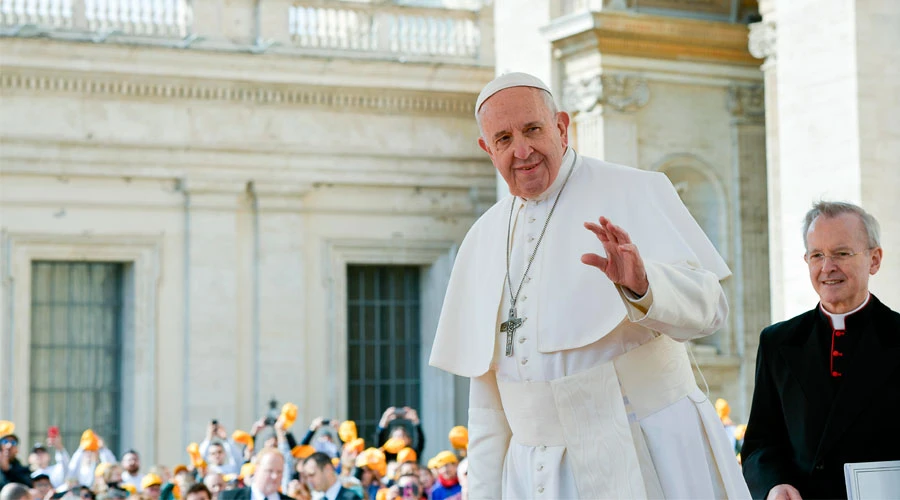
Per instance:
x=623, y=264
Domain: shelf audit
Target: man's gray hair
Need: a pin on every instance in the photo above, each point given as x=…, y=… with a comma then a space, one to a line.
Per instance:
x=833, y=209
x=15, y=491
x=548, y=102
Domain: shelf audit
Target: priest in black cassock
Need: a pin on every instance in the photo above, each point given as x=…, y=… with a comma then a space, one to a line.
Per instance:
x=827, y=381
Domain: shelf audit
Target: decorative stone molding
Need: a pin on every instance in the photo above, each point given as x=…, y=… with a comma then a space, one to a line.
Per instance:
x=747, y=101
x=761, y=40
x=624, y=93
x=386, y=101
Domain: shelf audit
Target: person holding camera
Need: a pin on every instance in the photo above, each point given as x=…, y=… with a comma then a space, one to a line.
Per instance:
x=222, y=455
x=396, y=423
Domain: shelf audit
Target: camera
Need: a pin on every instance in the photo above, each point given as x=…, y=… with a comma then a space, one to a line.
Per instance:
x=269, y=421
x=215, y=422
x=326, y=422
x=400, y=412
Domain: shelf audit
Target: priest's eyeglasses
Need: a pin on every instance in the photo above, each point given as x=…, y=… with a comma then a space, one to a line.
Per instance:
x=837, y=257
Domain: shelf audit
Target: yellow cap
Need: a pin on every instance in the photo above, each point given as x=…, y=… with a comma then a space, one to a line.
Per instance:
x=6, y=428
x=150, y=480
x=101, y=468
x=129, y=488
x=335, y=461
x=347, y=431
x=179, y=468
x=407, y=455
x=459, y=437
x=443, y=458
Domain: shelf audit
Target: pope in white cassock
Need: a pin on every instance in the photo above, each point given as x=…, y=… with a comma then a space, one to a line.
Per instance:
x=581, y=386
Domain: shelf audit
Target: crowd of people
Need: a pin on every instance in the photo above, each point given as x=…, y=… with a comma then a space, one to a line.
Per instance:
x=329, y=461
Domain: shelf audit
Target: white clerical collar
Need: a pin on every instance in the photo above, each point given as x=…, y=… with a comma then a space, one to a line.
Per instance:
x=837, y=320
x=255, y=494
x=332, y=492
x=568, y=161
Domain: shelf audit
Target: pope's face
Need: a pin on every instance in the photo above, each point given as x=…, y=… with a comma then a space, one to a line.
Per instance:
x=525, y=140
x=840, y=261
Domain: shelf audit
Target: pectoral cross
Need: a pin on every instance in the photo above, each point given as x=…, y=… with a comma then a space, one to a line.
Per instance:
x=510, y=326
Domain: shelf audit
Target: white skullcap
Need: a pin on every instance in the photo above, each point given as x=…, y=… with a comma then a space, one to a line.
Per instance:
x=506, y=81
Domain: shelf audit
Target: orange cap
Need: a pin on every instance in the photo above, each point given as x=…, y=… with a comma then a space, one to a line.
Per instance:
x=288, y=415
x=301, y=452
x=394, y=445
x=247, y=470
x=243, y=438
x=89, y=441
x=407, y=455
x=459, y=437
x=358, y=444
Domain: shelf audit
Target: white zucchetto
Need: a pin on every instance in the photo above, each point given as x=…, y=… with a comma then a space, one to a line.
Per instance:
x=507, y=81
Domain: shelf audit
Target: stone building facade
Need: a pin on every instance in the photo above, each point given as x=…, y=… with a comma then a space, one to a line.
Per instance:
x=252, y=198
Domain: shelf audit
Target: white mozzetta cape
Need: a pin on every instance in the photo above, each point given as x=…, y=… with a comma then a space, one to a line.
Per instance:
x=643, y=203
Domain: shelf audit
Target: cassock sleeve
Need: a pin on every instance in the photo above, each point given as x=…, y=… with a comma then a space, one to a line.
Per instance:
x=766, y=454
x=683, y=302
x=489, y=436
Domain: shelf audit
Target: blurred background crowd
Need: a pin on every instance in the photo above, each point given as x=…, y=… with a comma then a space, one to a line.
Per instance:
x=274, y=459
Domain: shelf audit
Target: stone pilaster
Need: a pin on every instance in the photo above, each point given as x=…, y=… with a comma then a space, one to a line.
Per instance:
x=750, y=308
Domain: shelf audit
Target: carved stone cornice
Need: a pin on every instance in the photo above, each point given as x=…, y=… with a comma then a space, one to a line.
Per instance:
x=650, y=36
x=624, y=93
x=746, y=101
x=389, y=101
x=761, y=41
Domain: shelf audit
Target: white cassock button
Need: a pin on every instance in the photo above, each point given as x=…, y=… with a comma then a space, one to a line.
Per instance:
x=521, y=340
x=524, y=298
x=531, y=219
x=543, y=448
x=530, y=239
x=524, y=361
x=540, y=467
x=527, y=279
x=540, y=489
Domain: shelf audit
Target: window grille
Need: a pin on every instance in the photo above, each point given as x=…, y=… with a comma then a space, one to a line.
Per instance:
x=383, y=343
x=76, y=350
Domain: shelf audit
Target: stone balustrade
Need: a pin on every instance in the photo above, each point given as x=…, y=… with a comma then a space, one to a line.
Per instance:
x=167, y=18
x=385, y=29
x=330, y=28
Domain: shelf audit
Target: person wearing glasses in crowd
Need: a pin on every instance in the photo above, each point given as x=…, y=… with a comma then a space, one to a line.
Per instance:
x=11, y=470
x=827, y=379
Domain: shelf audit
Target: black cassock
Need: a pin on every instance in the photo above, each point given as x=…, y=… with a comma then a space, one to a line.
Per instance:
x=823, y=398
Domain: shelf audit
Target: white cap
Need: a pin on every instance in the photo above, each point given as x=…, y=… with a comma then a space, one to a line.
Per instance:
x=506, y=81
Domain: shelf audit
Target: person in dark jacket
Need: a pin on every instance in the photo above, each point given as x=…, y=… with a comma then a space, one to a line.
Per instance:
x=11, y=470
x=826, y=380
x=266, y=479
x=320, y=473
